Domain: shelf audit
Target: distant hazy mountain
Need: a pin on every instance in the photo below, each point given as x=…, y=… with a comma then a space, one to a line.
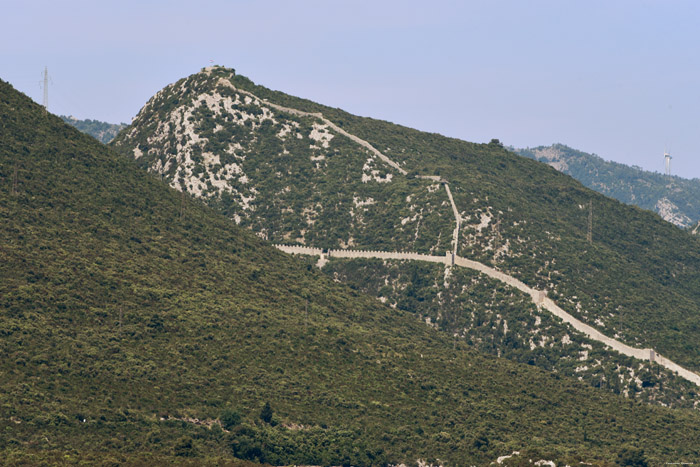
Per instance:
x=101, y=131
x=675, y=199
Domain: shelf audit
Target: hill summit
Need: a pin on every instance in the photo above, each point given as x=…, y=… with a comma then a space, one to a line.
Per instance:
x=139, y=326
x=304, y=175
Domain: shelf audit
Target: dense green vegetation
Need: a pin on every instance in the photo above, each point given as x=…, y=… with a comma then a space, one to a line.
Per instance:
x=636, y=281
x=101, y=131
x=502, y=321
x=132, y=318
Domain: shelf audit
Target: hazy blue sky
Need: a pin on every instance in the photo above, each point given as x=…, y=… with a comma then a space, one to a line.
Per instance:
x=617, y=78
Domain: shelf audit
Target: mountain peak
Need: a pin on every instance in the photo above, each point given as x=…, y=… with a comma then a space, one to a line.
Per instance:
x=299, y=173
x=139, y=326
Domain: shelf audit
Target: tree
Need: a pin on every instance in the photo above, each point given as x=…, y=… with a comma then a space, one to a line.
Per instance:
x=185, y=447
x=230, y=418
x=266, y=413
x=632, y=456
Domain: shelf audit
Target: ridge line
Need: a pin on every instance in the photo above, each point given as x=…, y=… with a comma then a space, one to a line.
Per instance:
x=302, y=113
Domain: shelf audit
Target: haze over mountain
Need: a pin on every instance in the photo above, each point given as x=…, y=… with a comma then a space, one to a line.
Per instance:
x=137, y=324
x=674, y=198
x=300, y=173
x=102, y=131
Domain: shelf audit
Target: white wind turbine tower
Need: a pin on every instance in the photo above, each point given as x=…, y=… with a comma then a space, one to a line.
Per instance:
x=667, y=160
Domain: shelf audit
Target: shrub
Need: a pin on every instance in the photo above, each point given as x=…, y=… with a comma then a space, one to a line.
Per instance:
x=266, y=413
x=185, y=447
x=230, y=418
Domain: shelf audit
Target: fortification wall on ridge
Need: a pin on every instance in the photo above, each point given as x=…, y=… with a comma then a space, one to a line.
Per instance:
x=336, y=128
x=300, y=250
x=539, y=297
x=397, y=255
x=386, y=255
x=435, y=178
x=673, y=366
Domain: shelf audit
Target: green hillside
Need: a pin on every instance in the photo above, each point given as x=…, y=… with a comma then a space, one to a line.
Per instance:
x=675, y=199
x=292, y=178
x=132, y=318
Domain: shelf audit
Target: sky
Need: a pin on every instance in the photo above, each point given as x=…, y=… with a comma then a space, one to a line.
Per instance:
x=618, y=78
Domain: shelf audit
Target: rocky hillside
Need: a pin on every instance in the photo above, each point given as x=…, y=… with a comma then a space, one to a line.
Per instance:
x=675, y=199
x=139, y=327
x=101, y=131
x=296, y=172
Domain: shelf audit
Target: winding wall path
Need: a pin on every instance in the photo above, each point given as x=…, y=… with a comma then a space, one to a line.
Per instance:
x=450, y=259
x=539, y=297
x=455, y=212
x=319, y=115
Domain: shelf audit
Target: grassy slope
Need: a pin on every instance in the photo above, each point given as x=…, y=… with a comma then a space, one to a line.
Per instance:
x=305, y=193
x=116, y=312
x=498, y=320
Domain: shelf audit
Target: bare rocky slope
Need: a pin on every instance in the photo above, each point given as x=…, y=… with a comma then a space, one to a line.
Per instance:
x=296, y=172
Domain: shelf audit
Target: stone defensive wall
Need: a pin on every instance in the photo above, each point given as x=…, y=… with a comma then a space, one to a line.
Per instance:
x=458, y=220
x=591, y=332
x=300, y=250
x=397, y=255
x=336, y=128
x=539, y=297
x=435, y=178
x=491, y=272
x=673, y=366
x=450, y=259
x=385, y=255
x=455, y=212
x=364, y=144
x=452, y=201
